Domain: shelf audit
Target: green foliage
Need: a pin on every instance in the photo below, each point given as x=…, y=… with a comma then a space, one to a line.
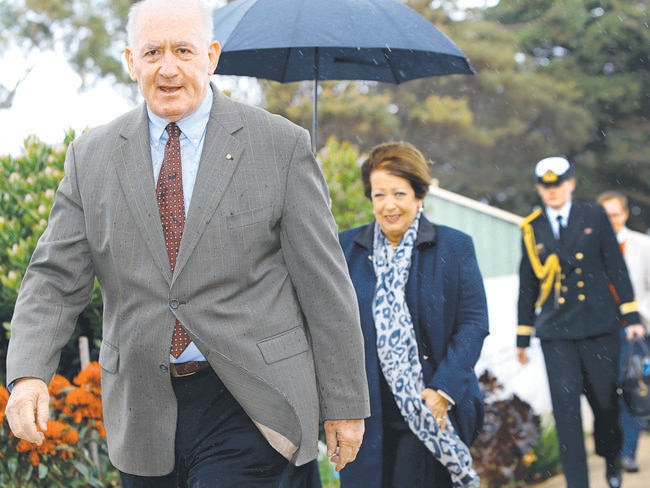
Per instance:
x=27, y=190
x=546, y=454
x=341, y=162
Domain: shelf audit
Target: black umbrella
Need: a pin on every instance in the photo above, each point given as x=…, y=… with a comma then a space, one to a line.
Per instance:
x=293, y=40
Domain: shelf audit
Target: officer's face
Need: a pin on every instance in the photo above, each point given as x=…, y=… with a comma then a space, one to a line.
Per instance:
x=557, y=196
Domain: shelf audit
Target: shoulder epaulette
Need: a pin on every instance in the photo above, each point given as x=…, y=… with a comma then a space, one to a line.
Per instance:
x=527, y=220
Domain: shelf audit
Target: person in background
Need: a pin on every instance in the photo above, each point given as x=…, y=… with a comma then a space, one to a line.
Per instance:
x=569, y=257
x=424, y=319
x=635, y=247
x=229, y=322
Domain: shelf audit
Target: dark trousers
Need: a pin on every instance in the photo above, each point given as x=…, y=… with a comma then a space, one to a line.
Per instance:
x=408, y=463
x=588, y=366
x=217, y=445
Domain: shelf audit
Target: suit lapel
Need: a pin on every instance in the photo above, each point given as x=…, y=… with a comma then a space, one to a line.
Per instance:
x=220, y=157
x=135, y=173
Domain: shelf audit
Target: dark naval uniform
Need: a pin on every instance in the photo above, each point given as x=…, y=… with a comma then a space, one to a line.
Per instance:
x=565, y=300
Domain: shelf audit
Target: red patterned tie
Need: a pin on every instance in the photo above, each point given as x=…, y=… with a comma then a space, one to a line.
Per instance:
x=169, y=193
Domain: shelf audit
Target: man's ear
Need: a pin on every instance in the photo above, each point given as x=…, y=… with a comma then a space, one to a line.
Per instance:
x=128, y=57
x=214, y=51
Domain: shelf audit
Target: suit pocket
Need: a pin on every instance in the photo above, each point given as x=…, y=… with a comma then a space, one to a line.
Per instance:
x=109, y=358
x=284, y=345
x=249, y=217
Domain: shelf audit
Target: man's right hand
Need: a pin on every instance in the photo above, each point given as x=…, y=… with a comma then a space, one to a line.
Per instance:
x=29, y=404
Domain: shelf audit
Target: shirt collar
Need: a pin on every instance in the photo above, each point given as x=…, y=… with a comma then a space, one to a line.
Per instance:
x=564, y=212
x=193, y=126
x=622, y=234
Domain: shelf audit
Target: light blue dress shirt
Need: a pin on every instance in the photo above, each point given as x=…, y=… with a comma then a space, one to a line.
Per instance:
x=553, y=215
x=193, y=128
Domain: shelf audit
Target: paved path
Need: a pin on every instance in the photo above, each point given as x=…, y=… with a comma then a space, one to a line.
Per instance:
x=597, y=470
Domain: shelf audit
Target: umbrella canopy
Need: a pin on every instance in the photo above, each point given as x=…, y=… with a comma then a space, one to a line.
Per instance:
x=294, y=40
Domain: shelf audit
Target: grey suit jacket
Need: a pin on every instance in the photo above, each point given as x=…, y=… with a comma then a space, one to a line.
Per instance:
x=637, y=258
x=260, y=284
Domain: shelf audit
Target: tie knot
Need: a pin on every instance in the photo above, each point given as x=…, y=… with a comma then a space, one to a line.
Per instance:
x=173, y=130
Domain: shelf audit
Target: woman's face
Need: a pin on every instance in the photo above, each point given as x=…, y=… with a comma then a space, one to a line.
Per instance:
x=394, y=204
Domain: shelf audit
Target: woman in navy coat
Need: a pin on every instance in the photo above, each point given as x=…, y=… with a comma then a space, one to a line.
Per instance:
x=416, y=280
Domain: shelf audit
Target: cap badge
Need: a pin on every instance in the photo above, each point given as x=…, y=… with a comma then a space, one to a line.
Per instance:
x=549, y=177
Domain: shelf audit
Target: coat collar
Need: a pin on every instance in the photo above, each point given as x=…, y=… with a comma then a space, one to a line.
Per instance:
x=427, y=234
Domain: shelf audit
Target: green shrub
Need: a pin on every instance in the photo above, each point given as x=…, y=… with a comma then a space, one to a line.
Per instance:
x=341, y=162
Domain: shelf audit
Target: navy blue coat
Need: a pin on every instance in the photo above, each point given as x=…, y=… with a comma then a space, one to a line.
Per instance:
x=590, y=258
x=446, y=299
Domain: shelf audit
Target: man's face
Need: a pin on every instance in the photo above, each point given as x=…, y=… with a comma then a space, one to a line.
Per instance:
x=170, y=59
x=557, y=196
x=616, y=213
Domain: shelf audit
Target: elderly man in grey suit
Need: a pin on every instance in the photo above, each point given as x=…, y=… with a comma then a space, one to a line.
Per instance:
x=635, y=247
x=230, y=323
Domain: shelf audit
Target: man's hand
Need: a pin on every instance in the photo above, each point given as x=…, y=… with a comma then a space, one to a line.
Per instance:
x=343, y=440
x=634, y=331
x=522, y=355
x=28, y=404
x=437, y=404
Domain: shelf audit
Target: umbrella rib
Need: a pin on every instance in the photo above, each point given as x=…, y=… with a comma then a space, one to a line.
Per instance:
x=390, y=64
x=285, y=64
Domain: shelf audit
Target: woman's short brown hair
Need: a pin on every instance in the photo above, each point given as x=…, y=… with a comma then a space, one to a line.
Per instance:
x=399, y=159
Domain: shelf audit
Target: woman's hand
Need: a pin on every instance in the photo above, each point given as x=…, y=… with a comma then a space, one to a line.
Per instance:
x=437, y=404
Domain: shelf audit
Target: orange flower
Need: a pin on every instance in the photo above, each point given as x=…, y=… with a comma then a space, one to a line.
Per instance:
x=59, y=387
x=59, y=438
x=4, y=398
x=90, y=378
x=85, y=402
x=99, y=425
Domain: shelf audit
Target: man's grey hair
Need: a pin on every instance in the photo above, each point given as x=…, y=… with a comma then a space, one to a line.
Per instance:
x=206, y=19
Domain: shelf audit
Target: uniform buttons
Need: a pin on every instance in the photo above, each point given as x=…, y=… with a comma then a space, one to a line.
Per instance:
x=579, y=271
x=581, y=284
x=581, y=297
x=561, y=300
x=579, y=256
x=565, y=289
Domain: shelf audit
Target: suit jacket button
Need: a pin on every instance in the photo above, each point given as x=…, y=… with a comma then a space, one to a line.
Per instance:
x=164, y=368
x=174, y=304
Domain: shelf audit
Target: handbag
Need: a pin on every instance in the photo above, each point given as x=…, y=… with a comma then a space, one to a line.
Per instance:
x=635, y=385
